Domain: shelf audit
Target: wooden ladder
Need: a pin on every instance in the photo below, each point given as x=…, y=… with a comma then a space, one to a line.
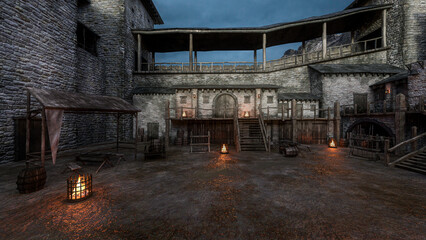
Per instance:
x=200, y=144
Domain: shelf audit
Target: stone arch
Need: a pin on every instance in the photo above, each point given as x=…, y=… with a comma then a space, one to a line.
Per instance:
x=383, y=126
x=218, y=96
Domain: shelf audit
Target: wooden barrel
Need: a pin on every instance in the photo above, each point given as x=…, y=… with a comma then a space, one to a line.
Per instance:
x=31, y=179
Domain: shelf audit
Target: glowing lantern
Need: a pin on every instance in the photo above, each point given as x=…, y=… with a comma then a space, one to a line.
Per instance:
x=332, y=143
x=79, y=188
x=224, y=149
x=246, y=114
x=184, y=114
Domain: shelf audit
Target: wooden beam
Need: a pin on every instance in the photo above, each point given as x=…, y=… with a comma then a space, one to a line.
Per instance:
x=324, y=40
x=303, y=52
x=255, y=59
x=136, y=136
x=28, y=132
x=384, y=28
x=264, y=51
x=138, y=61
x=43, y=137
x=191, y=48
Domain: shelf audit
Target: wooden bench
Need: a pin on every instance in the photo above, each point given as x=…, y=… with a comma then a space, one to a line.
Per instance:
x=100, y=157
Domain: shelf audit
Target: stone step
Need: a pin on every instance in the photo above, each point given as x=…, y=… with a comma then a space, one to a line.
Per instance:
x=410, y=168
x=413, y=164
x=416, y=162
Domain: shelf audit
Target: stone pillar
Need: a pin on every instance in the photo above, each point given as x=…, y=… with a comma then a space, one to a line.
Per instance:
x=190, y=52
x=293, y=121
x=264, y=51
x=324, y=40
x=400, y=109
x=384, y=28
x=138, y=61
x=336, y=123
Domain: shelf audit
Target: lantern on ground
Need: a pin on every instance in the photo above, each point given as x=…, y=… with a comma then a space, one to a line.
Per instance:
x=184, y=114
x=79, y=187
x=246, y=114
x=224, y=149
x=332, y=143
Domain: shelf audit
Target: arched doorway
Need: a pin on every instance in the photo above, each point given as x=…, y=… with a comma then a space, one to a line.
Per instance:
x=370, y=127
x=225, y=106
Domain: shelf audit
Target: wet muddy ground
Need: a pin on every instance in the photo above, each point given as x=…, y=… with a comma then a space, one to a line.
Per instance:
x=251, y=195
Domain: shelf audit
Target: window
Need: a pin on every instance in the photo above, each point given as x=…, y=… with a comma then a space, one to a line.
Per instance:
x=270, y=99
x=87, y=39
x=205, y=99
x=360, y=99
x=246, y=99
x=183, y=99
x=299, y=109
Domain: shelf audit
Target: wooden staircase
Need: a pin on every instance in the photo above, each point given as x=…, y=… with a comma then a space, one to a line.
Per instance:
x=251, y=138
x=416, y=163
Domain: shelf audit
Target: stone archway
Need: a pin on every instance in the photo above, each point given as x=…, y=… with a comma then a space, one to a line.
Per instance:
x=378, y=127
x=224, y=105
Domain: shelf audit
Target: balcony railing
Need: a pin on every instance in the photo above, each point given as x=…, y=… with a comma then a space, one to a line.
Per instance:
x=272, y=65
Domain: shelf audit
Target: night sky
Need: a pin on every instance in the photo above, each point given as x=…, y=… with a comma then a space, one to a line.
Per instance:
x=238, y=13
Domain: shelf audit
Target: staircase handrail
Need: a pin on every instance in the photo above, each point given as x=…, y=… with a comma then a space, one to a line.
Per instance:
x=390, y=150
x=263, y=129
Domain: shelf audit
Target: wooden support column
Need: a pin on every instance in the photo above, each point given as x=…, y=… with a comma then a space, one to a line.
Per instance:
x=337, y=118
x=303, y=52
x=153, y=61
x=324, y=40
x=293, y=121
x=43, y=136
x=138, y=61
x=195, y=60
x=413, y=134
x=136, y=136
x=118, y=132
x=384, y=28
x=167, y=119
x=255, y=59
x=28, y=131
x=264, y=51
x=191, y=48
x=400, y=109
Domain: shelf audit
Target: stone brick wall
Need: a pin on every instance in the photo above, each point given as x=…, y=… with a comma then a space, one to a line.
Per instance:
x=38, y=50
x=416, y=85
x=337, y=87
x=405, y=30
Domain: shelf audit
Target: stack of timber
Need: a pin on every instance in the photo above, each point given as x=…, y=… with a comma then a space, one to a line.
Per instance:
x=251, y=138
x=416, y=163
x=31, y=179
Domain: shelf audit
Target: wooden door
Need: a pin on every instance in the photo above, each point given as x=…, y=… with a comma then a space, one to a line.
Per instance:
x=224, y=106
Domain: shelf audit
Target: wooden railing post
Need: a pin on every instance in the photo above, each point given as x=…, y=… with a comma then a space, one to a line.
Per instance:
x=282, y=111
x=368, y=108
x=355, y=109
x=386, y=153
x=315, y=112
x=414, y=134
x=384, y=106
x=422, y=104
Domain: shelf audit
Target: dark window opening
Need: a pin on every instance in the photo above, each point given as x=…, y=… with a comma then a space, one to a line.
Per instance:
x=87, y=39
x=360, y=99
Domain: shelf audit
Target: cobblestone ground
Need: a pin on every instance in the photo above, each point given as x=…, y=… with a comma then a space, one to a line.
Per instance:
x=319, y=195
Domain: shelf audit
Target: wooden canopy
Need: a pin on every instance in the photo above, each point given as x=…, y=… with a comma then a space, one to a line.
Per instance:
x=210, y=39
x=78, y=102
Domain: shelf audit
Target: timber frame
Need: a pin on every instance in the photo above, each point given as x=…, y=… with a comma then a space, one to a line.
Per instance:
x=100, y=105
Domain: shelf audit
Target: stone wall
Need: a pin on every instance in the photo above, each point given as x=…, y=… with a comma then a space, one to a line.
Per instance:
x=406, y=22
x=38, y=49
x=416, y=84
x=341, y=87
